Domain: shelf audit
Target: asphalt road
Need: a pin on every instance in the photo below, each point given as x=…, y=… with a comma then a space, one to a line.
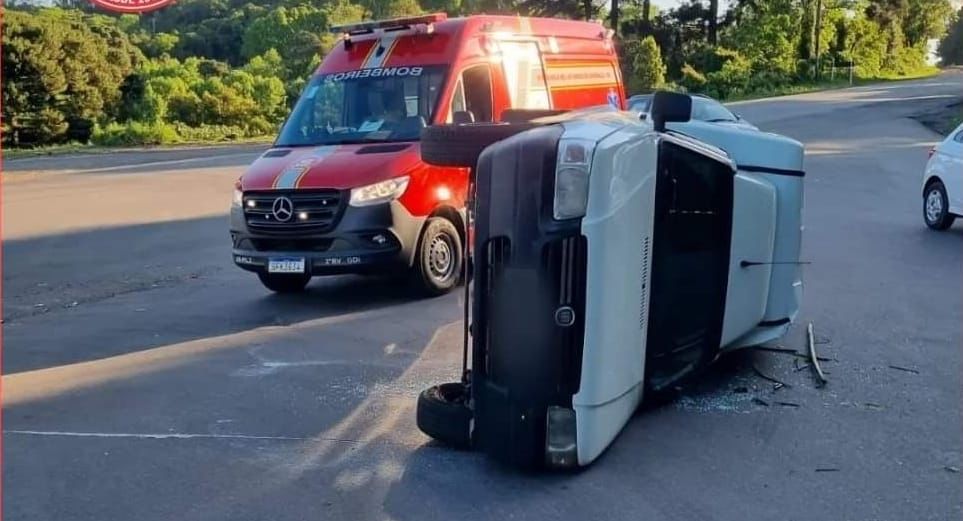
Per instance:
x=147, y=378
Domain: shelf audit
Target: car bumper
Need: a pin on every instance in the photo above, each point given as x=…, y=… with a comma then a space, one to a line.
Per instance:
x=373, y=239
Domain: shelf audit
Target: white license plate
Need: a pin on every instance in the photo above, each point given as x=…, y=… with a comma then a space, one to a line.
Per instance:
x=286, y=265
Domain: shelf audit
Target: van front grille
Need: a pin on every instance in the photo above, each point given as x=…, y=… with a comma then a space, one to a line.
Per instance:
x=304, y=212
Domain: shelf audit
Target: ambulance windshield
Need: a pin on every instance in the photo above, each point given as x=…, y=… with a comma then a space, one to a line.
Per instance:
x=368, y=105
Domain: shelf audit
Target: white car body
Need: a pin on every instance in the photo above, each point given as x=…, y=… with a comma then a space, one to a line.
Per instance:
x=946, y=165
x=687, y=244
x=761, y=302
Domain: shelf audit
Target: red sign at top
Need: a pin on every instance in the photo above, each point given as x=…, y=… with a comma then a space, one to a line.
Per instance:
x=131, y=6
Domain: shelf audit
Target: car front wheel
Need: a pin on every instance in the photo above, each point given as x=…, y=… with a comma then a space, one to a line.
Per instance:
x=284, y=282
x=936, y=211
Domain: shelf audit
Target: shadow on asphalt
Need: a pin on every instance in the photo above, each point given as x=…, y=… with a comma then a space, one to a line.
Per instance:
x=182, y=286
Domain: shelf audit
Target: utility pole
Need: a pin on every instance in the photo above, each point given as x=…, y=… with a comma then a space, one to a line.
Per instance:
x=646, y=25
x=615, y=16
x=819, y=26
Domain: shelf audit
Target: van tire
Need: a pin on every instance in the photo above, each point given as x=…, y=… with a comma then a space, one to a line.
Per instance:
x=438, y=259
x=516, y=116
x=460, y=145
x=444, y=415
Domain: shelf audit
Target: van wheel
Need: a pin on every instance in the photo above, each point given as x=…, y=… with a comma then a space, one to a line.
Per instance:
x=460, y=145
x=438, y=259
x=444, y=415
x=284, y=282
x=936, y=207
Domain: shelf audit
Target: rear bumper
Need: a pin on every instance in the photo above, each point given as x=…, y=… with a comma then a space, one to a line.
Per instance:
x=372, y=239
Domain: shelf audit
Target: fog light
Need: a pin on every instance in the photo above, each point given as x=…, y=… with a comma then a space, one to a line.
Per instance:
x=379, y=239
x=303, y=216
x=561, y=449
x=251, y=203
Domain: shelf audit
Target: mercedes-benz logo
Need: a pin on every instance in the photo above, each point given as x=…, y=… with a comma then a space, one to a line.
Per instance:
x=283, y=209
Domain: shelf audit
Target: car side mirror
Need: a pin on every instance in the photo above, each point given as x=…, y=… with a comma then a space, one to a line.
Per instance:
x=643, y=116
x=668, y=107
x=463, y=117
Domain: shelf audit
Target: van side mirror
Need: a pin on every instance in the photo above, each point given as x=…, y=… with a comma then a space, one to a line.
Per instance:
x=462, y=117
x=668, y=107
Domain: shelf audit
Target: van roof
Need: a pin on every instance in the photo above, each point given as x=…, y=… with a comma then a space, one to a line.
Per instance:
x=416, y=46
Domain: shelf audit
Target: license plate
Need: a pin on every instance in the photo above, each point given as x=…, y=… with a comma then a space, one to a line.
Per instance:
x=286, y=265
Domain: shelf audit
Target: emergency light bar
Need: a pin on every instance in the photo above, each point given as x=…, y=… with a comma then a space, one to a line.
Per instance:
x=393, y=23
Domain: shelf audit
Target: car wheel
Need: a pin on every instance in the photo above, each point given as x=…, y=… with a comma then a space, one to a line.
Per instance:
x=444, y=415
x=460, y=145
x=936, y=211
x=284, y=282
x=438, y=260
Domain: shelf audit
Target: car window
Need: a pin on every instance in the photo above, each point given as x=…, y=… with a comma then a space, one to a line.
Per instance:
x=710, y=110
x=639, y=104
x=959, y=137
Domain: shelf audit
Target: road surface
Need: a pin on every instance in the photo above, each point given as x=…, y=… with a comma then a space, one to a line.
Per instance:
x=147, y=378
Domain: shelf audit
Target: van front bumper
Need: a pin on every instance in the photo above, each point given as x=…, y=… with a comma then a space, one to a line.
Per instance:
x=369, y=240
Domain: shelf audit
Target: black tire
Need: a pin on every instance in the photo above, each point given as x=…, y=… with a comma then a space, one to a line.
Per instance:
x=460, y=145
x=527, y=115
x=438, y=259
x=284, y=282
x=936, y=206
x=444, y=415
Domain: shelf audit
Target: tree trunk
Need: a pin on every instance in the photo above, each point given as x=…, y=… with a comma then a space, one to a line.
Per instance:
x=587, y=6
x=713, y=21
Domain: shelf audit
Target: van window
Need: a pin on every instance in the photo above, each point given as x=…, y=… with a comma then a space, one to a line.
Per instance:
x=378, y=104
x=524, y=75
x=476, y=87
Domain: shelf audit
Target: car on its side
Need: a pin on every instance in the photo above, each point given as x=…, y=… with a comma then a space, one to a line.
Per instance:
x=704, y=109
x=943, y=182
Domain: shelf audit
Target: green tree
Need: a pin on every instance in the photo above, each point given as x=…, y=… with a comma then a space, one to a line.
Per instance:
x=951, y=47
x=648, y=66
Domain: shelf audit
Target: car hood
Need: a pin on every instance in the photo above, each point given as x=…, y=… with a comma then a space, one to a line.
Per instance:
x=330, y=166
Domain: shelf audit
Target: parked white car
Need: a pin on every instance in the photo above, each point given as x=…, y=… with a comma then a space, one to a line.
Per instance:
x=943, y=182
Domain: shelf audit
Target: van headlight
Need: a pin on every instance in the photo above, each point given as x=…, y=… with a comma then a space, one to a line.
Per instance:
x=379, y=192
x=572, y=178
x=238, y=198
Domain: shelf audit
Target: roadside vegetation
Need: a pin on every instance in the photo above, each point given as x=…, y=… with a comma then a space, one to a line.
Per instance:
x=207, y=71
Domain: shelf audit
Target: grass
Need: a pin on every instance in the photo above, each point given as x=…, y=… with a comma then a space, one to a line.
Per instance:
x=841, y=82
x=80, y=148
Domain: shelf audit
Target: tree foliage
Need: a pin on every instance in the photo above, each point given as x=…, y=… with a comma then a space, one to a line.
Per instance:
x=200, y=69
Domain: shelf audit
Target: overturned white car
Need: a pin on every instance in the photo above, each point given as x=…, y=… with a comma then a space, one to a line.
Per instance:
x=612, y=260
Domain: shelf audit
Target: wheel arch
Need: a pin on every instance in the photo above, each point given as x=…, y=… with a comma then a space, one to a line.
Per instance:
x=449, y=212
x=929, y=181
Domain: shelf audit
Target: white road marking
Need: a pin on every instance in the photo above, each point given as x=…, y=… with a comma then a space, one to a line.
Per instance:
x=160, y=163
x=173, y=436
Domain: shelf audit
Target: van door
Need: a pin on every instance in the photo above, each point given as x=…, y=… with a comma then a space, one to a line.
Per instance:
x=690, y=263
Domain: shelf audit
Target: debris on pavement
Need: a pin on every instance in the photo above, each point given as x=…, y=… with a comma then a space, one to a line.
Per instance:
x=759, y=401
x=777, y=384
x=950, y=468
x=827, y=469
x=813, y=358
x=905, y=369
x=788, y=404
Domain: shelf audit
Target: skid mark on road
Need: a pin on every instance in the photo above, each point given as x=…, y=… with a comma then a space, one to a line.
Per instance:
x=165, y=436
